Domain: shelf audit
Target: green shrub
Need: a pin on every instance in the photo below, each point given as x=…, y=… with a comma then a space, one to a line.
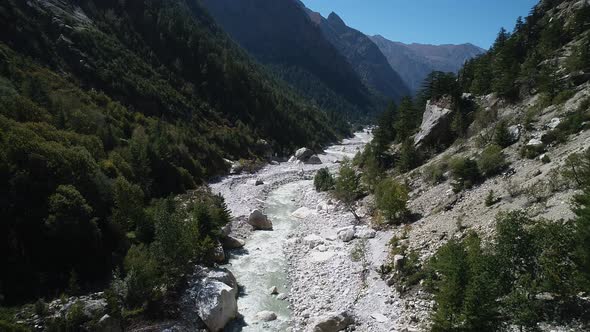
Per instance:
x=41, y=307
x=502, y=135
x=491, y=199
x=532, y=151
x=465, y=173
x=347, y=187
x=323, y=180
x=391, y=199
x=409, y=158
x=492, y=161
x=434, y=173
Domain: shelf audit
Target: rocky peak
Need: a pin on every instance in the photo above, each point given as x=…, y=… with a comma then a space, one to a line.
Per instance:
x=335, y=20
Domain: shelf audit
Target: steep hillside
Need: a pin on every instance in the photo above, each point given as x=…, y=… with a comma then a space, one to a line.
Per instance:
x=280, y=35
x=494, y=235
x=414, y=62
x=106, y=105
x=366, y=58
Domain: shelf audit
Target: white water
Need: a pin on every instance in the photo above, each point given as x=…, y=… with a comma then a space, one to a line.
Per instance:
x=262, y=265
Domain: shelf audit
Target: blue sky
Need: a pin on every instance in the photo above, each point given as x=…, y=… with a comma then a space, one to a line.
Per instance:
x=428, y=21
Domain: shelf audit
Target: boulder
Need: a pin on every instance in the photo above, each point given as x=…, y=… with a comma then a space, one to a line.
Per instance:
x=259, y=221
x=314, y=160
x=515, y=132
x=292, y=159
x=282, y=296
x=436, y=123
x=230, y=242
x=273, y=290
x=258, y=182
x=216, y=304
x=108, y=324
x=535, y=142
x=364, y=233
x=266, y=316
x=301, y=213
x=346, y=234
x=303, y=154
x=224, y=276
x=554, y=123
x=332, y=322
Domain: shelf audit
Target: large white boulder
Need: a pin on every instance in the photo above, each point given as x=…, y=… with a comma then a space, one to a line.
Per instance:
x=346, y=234
x=332, y=322
x=216, y=304
x=436, y=123
x=259, y=221
x=364, y=232
x=303, y=154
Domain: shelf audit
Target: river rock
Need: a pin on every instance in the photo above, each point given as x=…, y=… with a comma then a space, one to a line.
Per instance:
x=108, y=324
x=230, y=242
x=302, y=213
x=332, y=322
x=282, y=296
x=292, y=159
x=303, y=154
x=259, y=221
x=346, y=234
x=266, y=316
x=364, y=233
x=314, y=160
x=258, y=182
x=216, y=304
x=436, y=123
x=224, y=276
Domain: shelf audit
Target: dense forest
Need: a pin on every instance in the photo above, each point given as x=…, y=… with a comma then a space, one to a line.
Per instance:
x=106, y=109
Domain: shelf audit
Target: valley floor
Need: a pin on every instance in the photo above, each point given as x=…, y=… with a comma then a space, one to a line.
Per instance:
x=324, y=274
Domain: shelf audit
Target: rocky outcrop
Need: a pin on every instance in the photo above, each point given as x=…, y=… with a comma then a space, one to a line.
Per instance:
x=303, y=154
x=212, y=295
x=332, y=322
x=314, y=160
x=436, y=123
x=259, y=221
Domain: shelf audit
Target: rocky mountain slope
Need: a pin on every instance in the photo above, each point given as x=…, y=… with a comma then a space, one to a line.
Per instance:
x=368, y=61
x=414, y=62
x=280, y=35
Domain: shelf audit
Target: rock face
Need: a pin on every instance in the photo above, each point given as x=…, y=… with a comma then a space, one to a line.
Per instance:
x=436, y=123
x=303, y=154
x=314, y=160
x=259, y=221
x=214, y=295
x=332, y=322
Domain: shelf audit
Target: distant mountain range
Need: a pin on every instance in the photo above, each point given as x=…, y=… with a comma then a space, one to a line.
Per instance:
x=364, y=56
x=413, y=62
x=280, y=35
x=338, y=68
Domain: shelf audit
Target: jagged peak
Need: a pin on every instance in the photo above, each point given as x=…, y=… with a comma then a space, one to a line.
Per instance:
x=334, y=19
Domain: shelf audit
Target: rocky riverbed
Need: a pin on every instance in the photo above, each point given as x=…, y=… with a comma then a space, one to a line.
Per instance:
x=329, y=274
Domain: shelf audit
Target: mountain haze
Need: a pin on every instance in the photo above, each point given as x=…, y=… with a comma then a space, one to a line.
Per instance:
x=414, y=61
x=279, y=34
x=365, y=57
